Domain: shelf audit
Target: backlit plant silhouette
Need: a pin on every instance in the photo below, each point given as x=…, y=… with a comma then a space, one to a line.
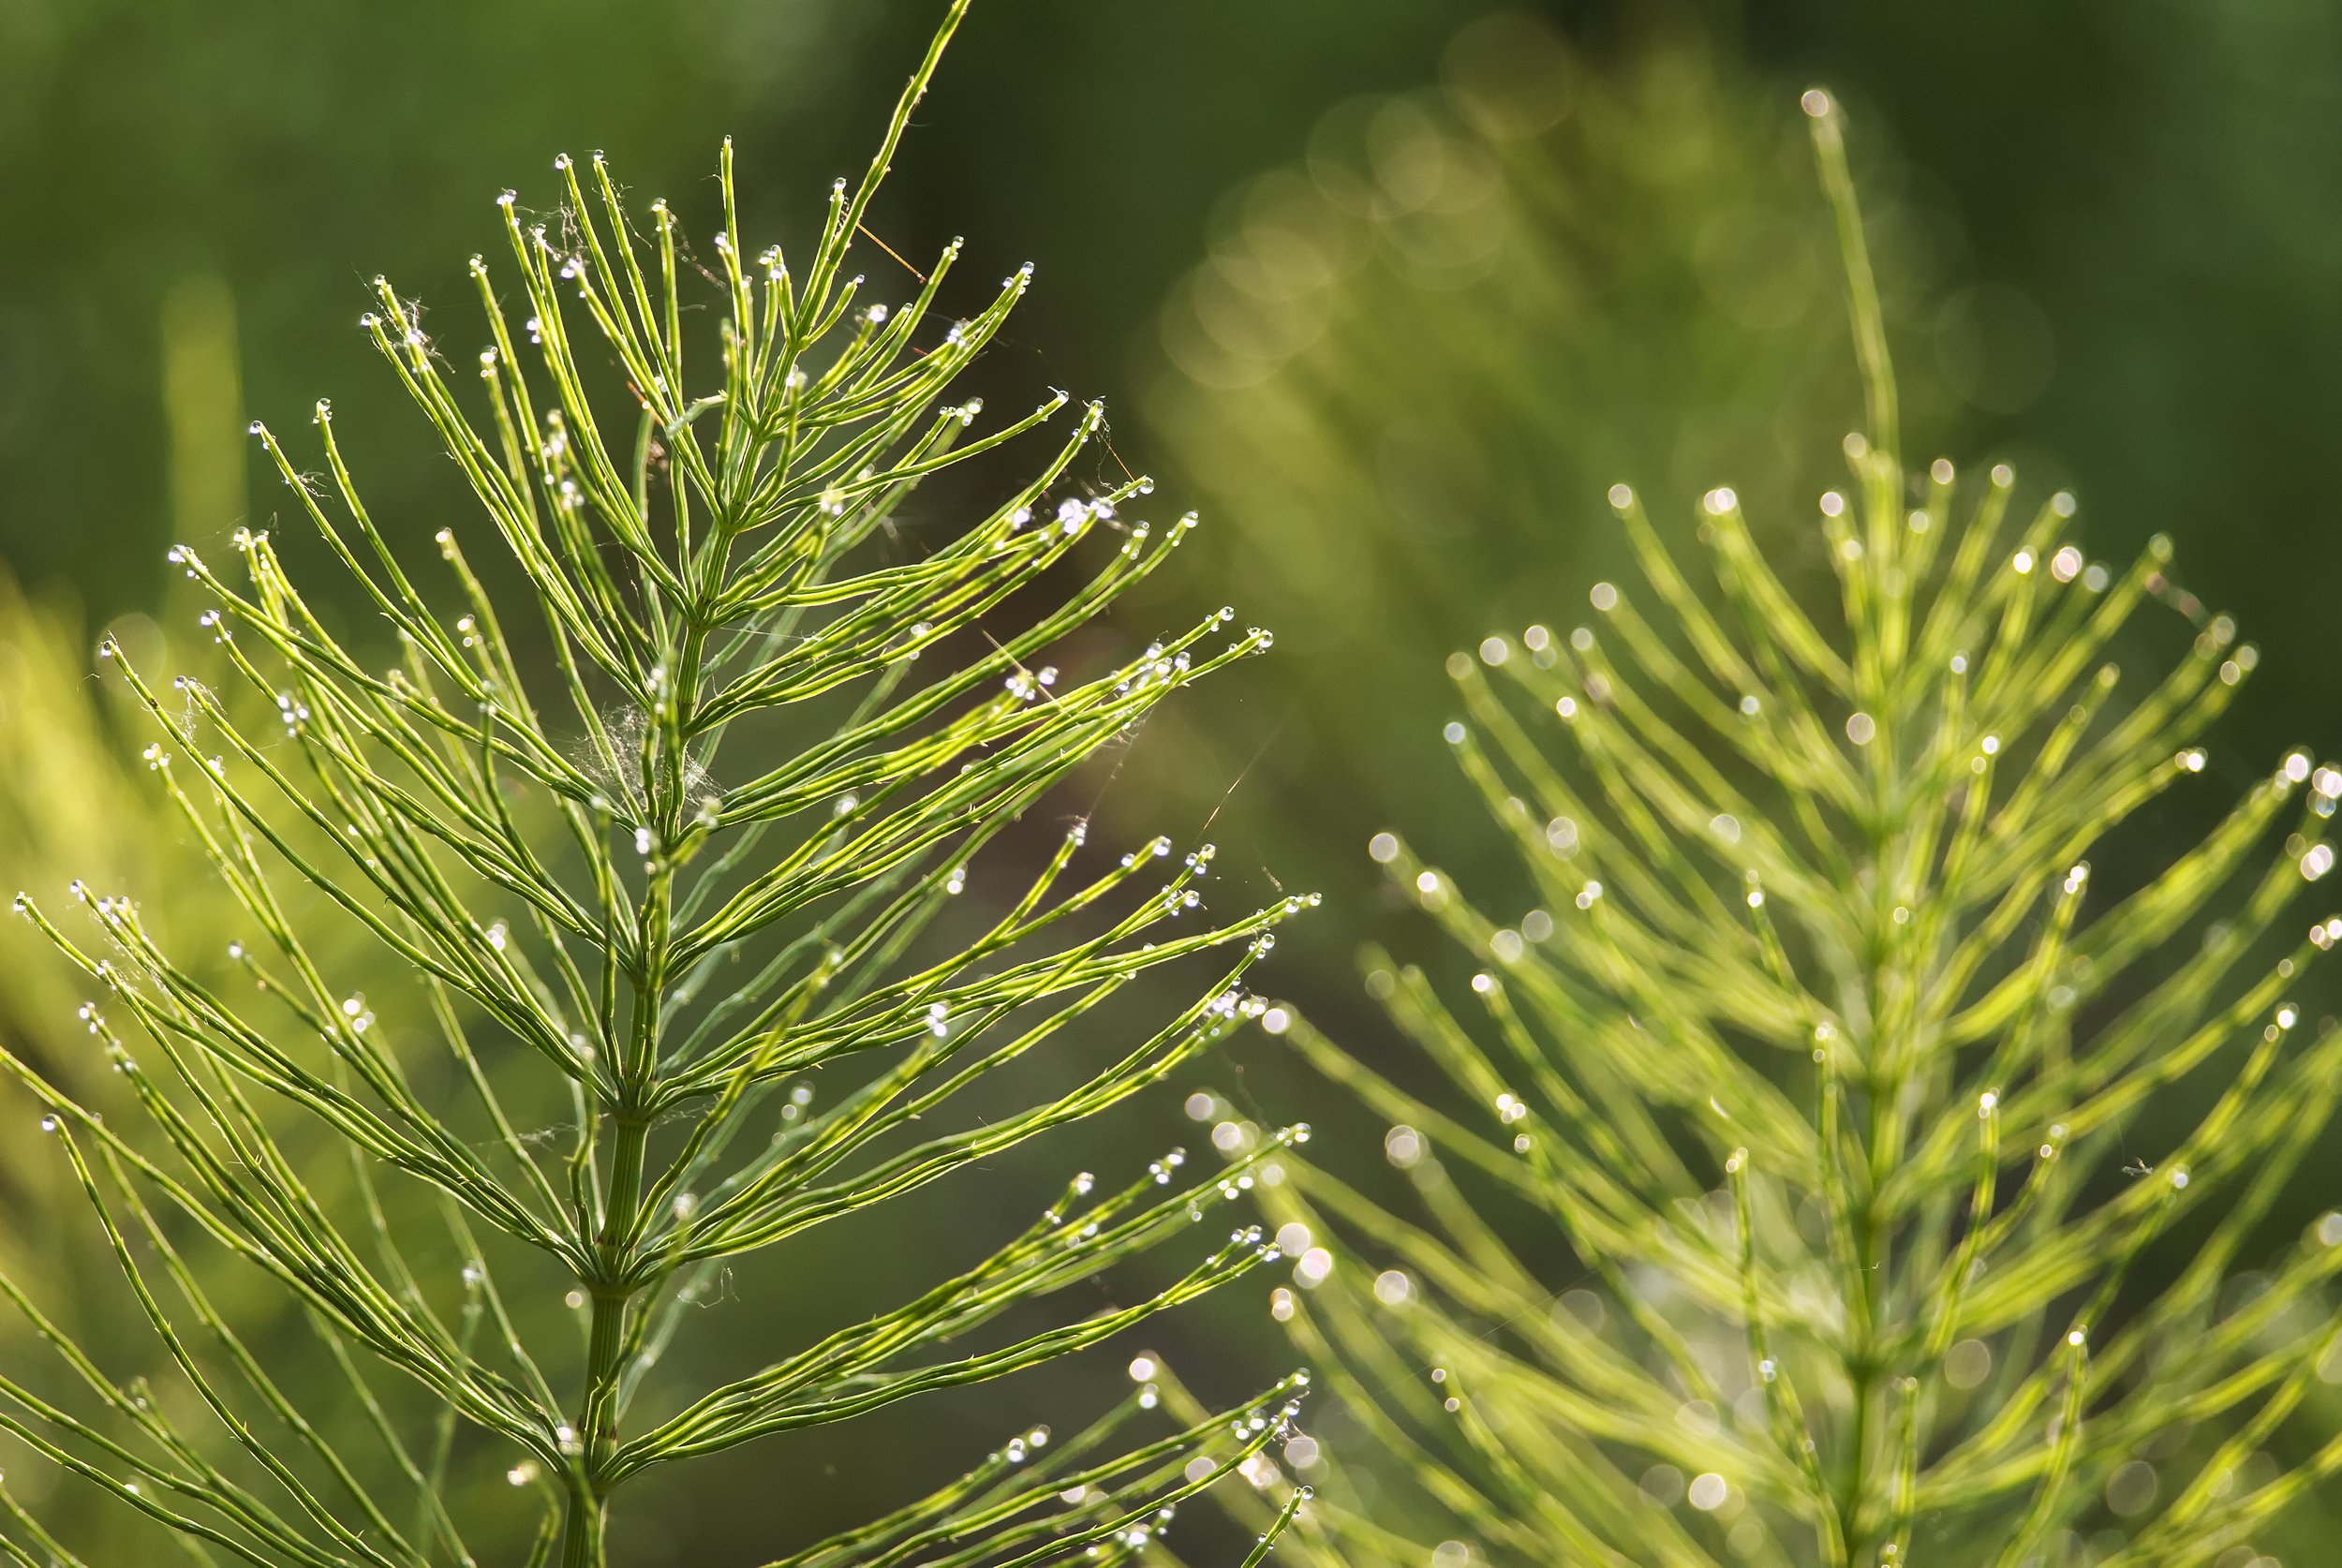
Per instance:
x=680, y=834
x=1905, y=1179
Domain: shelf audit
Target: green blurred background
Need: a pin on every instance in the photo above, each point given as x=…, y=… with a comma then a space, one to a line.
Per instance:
x=1390, y=290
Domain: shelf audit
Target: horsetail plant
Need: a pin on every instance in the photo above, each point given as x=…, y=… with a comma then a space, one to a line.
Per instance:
x=656, y=873
x=1907, y=1177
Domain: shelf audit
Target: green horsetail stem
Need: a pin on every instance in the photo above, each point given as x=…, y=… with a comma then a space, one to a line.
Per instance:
x=1788, y=1194
x=674, y=840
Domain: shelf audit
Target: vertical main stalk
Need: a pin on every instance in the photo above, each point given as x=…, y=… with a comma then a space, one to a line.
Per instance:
x=598, y=1419
x=636, y=1078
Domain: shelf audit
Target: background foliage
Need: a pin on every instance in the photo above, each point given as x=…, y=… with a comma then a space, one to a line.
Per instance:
x=2117, y=276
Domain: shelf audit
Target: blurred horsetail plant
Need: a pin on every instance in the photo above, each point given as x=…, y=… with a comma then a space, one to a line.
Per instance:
x=1843, y=1084
x=605, y=942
